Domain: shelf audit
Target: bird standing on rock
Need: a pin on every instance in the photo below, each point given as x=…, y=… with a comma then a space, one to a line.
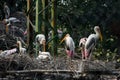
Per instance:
x=69, y=45
x=92, y=41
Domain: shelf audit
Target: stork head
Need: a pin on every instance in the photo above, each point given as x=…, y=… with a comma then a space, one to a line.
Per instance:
x=64, y=38
x=97, y=30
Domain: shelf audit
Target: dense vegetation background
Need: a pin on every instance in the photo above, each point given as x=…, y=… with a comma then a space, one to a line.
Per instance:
x=79, y=17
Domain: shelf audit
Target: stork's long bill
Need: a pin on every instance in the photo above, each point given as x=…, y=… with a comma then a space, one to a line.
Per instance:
x=99, y=32
x=101, y=38
x=100, y=35
x=7, y=29
x=62, y=39
x=44, y=43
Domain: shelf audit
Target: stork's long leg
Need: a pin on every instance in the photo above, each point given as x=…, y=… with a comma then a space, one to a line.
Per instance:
x=83, y=52
x=91, y=52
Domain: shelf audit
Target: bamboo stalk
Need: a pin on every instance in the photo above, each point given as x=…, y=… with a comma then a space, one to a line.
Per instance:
x=28, y=36
x=37, y=15
x=43, y=16
x=43, y=21
x=53, y=24
x=37, y=23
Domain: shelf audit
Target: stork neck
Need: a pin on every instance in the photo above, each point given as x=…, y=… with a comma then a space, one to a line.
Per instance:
x=20, y=47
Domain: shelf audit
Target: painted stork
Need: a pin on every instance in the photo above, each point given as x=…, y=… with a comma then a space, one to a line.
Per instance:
x=92, y=41
x=82, y=46
x=70, y=45
x=40, y=39
x=21, y=50
x=9, y=21
x=6, y=11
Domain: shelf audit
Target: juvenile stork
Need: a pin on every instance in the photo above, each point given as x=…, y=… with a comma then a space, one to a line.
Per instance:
x=82, y=46
x=70, y=45
x=92, y=41
x=40, y=40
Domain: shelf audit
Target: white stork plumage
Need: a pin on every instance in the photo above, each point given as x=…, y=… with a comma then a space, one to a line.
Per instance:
x=69, y=45
x=92, y=41
x=40, y=40
x=82, y=46
x=6, y=11
x=11, y=20
x=8, y=52
x=44, y=56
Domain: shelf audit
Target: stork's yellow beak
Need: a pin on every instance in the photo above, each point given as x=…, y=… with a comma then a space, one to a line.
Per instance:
x=43, y=43
x=7, y=29
x=101, y=38
x=62, y=40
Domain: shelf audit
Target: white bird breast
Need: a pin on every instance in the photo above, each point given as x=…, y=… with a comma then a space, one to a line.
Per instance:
x=70, y=43
x=23, y=50
x=44, y=56
x=92, y=36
